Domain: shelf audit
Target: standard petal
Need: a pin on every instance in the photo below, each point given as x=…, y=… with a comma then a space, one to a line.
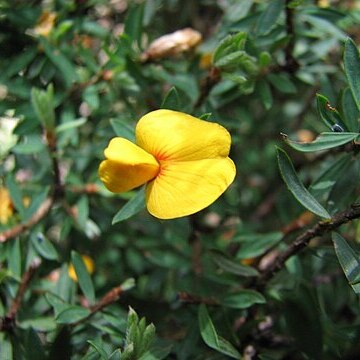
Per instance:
x=172, y=135
x=183, y=188
x=127, y=166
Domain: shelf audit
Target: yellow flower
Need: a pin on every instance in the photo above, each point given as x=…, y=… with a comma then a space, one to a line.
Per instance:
x=182, y=160
x=6, y=205
x=89, y=264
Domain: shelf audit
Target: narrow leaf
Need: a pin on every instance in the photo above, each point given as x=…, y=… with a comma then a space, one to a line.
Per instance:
x=329, y=115
x=296, y=187
x=243, y=299
x=349, y=261
x=98, y=348
x=72, y=314
x=83, y=276
x=325, y=141
x=70, y=125
x=132, y=207
x=350, y=110
x=43, y=246
x=171, y=100
x=352, y=69
x=123, y=129
x=232, y=266
x=210, y=336
x=269, y=17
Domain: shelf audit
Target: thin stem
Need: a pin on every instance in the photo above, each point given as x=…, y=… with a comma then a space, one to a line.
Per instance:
x=319, y=229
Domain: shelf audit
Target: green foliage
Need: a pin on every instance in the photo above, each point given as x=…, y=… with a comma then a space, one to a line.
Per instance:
x=270, y=269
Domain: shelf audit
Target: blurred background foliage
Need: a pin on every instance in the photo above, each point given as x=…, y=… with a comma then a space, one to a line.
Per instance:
x=229, y=282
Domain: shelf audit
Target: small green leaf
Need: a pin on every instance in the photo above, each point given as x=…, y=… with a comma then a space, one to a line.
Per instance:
x=134, y=22
x=210, y=336
x=64, y=65
x=31, y=144
x=282, y=83
x=233, y=266
x=329, y=115
x=349, y=261
x=350, y=110
x=83, y=276
x=243, y=299
x=268, y=18
x=43, y=104
x=43, y=246
x=171, y=100
x=70, y=125
x=99, y=349
x=132, y=207
x=352, y=69
x=265, y=93
x=15, y=194
x=324, y=141
x=123, y=128
x=253, y=245
x=72, y=314
x=296, y=187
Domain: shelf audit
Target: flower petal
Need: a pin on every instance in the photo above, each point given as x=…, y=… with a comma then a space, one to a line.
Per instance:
x=127, y=166
x=172, y=135
x=183, y=188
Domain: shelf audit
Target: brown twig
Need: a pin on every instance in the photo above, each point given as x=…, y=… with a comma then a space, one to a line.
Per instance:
x=109, y=298
x=193, y=299
x=319, y=229
x=8, y=321
x=42, y=211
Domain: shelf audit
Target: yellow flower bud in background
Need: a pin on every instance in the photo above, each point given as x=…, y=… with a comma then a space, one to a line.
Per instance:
x=89, y=263
x=6, y=205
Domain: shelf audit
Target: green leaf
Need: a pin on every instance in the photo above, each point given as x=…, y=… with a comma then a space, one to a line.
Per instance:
x=243, y=299
x=324, y=141
x=352, y=69
x=83, y=276
x=14, y=258
x=282, y=83
x=63, y=64
x=296, y=187
x=33, y=347
x=268, y=18
x=230, y=44
x=232, y=266
x=30, y=145
x=134, y=23
x=132, y=207
x=99, y=349
x=329, y=115
x=15, y=194
x=350, y=110
x=210, y=336
x=43, y=104
x=253, y=245
x=72, y=314
x=349, y=261
x=70, y=125
x=6, y=348
x=265, y=93
x=43, y=246
x=171, y=100
x=35, y=204
x=123, y=128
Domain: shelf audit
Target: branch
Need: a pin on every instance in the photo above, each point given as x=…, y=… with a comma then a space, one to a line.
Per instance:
x=42, y=211
x=8, y=321
x=319, y=229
